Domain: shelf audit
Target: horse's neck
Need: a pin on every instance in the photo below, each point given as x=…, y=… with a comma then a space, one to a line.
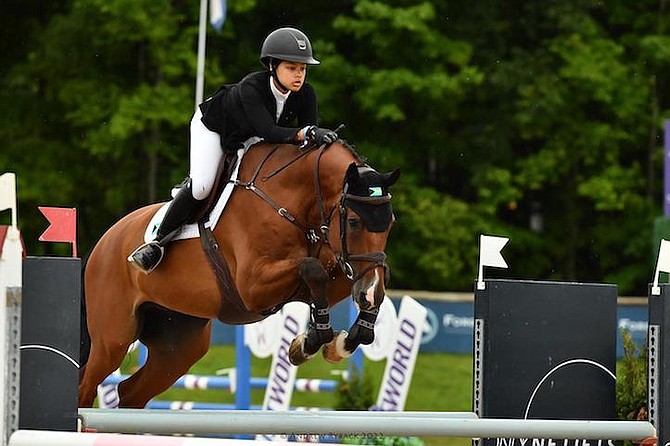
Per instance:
x=327, y=165
x=333, y=164
x=291, y=182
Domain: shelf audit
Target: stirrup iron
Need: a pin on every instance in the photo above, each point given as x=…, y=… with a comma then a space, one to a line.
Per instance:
x=147, y=256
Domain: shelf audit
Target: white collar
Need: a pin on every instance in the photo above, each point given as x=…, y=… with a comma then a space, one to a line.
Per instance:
x=280, y=98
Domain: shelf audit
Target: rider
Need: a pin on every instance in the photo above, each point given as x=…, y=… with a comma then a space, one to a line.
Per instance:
x=276, y=105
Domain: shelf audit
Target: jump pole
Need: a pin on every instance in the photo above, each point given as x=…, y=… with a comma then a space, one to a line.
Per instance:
x=226, y=383
x=346, y=423
x=51, y=438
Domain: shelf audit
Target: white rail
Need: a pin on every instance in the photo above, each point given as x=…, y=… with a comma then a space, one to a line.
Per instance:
x=459, y=424
x=54, y=438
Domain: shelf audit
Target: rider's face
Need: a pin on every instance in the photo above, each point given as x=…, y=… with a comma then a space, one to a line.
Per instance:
x=292, y=74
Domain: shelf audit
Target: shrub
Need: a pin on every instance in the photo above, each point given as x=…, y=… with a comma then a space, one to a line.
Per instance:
x=631, y=384
x=357, y=393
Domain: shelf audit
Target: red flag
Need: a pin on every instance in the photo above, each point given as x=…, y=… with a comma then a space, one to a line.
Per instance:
x=62, y=226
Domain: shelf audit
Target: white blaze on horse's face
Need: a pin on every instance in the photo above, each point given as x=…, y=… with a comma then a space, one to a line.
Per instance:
x=370, y=293
x=369, y=290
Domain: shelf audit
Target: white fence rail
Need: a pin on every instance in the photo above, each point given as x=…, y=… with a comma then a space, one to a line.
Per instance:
x=444, y=424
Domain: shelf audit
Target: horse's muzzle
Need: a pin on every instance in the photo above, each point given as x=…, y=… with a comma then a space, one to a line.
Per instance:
x=369, y=291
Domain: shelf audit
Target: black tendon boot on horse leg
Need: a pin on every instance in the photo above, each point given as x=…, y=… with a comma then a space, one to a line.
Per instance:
x=362, y=332
x=182, y=207
x=319, y=330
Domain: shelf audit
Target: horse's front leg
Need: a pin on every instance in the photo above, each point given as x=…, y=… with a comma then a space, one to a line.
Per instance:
x=319, y=330
x=361, y=332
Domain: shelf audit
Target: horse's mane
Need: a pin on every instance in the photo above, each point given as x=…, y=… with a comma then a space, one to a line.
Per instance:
x=350, y=147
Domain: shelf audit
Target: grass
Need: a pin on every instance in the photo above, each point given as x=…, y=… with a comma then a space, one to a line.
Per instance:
x=441, y=382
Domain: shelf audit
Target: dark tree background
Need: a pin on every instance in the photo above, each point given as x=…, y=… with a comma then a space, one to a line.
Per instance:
x=541, y=121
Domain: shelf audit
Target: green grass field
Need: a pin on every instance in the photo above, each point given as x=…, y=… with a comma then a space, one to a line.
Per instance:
x=441, y=382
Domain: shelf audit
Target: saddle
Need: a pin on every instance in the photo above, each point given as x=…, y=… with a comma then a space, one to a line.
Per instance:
x=201, y=224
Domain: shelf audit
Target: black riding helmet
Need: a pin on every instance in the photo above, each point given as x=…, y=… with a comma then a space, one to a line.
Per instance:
x=287, y=44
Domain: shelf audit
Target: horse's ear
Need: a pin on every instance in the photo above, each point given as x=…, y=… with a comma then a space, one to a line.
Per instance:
x=352, y=172
x=390, y=178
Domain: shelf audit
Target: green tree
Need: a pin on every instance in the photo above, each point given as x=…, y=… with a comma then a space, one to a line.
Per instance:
x=105, y=97
x=575, y=135
x=580, y=116
x=400, y=81
x=539, y=121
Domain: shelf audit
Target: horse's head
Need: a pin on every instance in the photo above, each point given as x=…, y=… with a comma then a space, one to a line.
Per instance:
x=366, y=218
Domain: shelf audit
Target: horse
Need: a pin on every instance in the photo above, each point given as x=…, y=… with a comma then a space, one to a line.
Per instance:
x=306, y=225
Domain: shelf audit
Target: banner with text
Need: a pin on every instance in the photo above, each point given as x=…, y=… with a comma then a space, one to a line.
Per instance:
x=402, y=357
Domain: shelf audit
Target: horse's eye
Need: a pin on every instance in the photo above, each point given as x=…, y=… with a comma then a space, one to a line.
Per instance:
x=354, y=223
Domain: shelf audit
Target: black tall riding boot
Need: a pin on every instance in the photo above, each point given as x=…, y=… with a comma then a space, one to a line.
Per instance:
x=182, y=207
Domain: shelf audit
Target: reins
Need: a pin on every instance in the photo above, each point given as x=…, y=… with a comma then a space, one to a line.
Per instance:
x=376, y=259
x=282, y=211
x=276, y=171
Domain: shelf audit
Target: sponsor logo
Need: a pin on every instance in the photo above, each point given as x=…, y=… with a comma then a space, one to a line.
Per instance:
x=450, y=320
x=631, y=325
x=430, y=327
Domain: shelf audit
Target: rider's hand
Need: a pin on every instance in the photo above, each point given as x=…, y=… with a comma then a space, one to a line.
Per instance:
x=320, y=136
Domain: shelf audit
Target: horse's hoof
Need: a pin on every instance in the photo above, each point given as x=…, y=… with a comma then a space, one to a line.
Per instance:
x=334, y=351
x=296, y=352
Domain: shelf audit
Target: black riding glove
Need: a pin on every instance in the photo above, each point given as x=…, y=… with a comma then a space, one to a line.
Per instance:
x=320, y=136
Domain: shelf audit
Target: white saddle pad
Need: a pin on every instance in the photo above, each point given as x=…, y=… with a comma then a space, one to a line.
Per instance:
x=191, y=230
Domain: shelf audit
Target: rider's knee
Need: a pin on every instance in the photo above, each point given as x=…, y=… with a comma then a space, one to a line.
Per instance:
x=201, y=187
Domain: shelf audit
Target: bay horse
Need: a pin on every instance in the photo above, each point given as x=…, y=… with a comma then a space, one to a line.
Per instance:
x=308, y=225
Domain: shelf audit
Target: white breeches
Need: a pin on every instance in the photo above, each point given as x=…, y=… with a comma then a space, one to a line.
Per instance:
x=206, y=153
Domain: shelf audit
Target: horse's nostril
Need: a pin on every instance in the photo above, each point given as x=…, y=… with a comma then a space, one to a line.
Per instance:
x=363, y=302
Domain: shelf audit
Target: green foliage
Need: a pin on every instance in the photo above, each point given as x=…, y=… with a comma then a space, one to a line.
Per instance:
x=438, y=237
x=498, y=113
x=355, y=392
x=631, y=383
x=385, y=441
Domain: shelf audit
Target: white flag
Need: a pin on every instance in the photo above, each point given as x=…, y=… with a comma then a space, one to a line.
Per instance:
x=489, y=251
x=217, y=13
x=489, y=255
x=663, y=262
x=7, y=191
x=662, y=265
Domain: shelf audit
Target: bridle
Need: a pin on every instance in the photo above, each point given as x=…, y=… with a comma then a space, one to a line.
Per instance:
x=320, y=237
x=375, y=258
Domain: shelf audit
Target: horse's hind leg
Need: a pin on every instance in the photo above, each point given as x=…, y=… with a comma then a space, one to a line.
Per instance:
x=174, y=342
x=319, y=332
x=106, y=356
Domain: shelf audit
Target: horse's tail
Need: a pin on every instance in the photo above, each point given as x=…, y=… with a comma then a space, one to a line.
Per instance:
x=84, y=336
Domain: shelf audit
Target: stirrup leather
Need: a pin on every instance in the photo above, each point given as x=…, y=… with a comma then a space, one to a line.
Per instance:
x=147, y=256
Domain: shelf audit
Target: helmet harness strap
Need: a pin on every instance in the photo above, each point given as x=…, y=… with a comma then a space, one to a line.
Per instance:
x=274, y=63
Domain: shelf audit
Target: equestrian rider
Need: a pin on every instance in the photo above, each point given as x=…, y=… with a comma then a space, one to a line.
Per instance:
x=276, y=105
